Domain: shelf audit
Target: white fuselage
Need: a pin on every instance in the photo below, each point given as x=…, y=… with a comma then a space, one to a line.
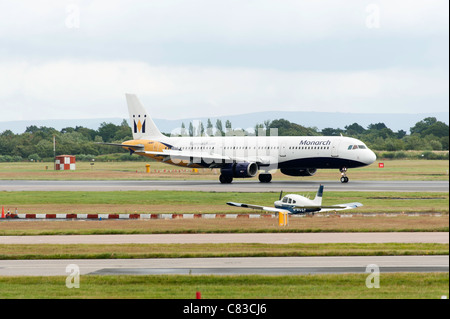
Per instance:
x=290, y=152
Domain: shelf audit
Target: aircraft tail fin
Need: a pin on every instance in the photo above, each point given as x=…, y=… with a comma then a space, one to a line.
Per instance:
x=318, y=199
x=142, y=124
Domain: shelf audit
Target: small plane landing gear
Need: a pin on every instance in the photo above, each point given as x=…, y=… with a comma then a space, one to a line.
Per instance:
x=265, y=178
x=344, y=178
x=225, y=179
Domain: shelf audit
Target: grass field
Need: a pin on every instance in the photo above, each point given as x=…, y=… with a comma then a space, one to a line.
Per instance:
x=208, y=202
x=343, y=286
x=222, y=225
x=123, y=251
x=393, y=169
x=212, y=202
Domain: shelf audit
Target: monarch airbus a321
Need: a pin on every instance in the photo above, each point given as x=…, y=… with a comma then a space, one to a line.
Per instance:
x=245, y=156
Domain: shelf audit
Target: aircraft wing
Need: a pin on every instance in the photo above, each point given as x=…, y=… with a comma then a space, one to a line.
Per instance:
x=216, y=160
x=340, y=207
x=174, y=154
x=187, y=155
x=329, y=208
x=269, y=209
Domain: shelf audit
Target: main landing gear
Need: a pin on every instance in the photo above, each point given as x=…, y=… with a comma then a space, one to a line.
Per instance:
x=265, y=178
x=344, y=178
x=225, y=179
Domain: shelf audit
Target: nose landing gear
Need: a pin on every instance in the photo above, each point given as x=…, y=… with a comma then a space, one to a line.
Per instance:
x=344, y=178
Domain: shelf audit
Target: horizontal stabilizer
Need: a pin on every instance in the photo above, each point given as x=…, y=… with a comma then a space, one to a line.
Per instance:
x=138, y=147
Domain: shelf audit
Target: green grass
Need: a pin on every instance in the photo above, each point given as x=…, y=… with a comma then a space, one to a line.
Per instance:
x=373, y=201
x=121, y=251
x=392, y=285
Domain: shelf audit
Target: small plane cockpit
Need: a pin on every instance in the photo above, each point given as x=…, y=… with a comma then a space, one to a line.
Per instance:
x=288, y=200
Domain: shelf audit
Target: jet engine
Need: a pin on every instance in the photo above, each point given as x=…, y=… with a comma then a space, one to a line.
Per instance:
x=240, y=170
x=299, y=172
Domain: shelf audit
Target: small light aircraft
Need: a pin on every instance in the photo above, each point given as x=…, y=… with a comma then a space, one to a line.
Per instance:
x=296, y=204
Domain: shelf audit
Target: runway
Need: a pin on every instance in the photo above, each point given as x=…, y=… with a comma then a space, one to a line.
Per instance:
x=226, y=266
x=261, y=238
x=215, y=186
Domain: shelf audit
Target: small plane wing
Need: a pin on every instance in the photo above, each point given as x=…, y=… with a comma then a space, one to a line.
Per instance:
x=340, y=207
x=269, y=209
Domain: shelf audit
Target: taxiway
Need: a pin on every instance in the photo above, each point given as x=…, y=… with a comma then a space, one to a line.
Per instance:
x=215, y=186
x=226, y=266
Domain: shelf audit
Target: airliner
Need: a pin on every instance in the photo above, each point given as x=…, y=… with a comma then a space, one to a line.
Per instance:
x=297, y=204
x=244, y=156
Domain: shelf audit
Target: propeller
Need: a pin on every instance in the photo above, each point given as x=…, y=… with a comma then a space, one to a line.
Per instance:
x=281, y=194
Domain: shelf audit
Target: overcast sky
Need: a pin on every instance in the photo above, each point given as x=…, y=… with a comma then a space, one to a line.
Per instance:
x=70, y=59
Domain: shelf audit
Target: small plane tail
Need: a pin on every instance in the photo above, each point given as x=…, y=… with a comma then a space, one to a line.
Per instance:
x=142, y=124
x=318, y=199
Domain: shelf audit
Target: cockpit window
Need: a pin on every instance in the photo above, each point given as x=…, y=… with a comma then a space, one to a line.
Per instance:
x=355, y=147
x=285, y=199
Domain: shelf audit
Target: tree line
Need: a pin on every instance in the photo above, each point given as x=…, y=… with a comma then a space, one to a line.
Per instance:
x=36, y=143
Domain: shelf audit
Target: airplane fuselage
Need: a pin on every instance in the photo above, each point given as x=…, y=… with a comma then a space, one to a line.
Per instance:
x=283, y=152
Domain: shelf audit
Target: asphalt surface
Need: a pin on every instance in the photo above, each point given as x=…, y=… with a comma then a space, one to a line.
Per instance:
x=226, y=266
x=238, y=185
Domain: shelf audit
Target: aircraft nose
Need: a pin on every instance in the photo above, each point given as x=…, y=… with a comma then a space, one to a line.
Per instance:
x=370, y=157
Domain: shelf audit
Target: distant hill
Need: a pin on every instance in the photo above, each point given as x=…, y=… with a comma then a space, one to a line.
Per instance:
x=320, y=120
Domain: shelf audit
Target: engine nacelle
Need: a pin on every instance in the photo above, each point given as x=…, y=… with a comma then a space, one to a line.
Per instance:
x=299, y=172
x=240, y=170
